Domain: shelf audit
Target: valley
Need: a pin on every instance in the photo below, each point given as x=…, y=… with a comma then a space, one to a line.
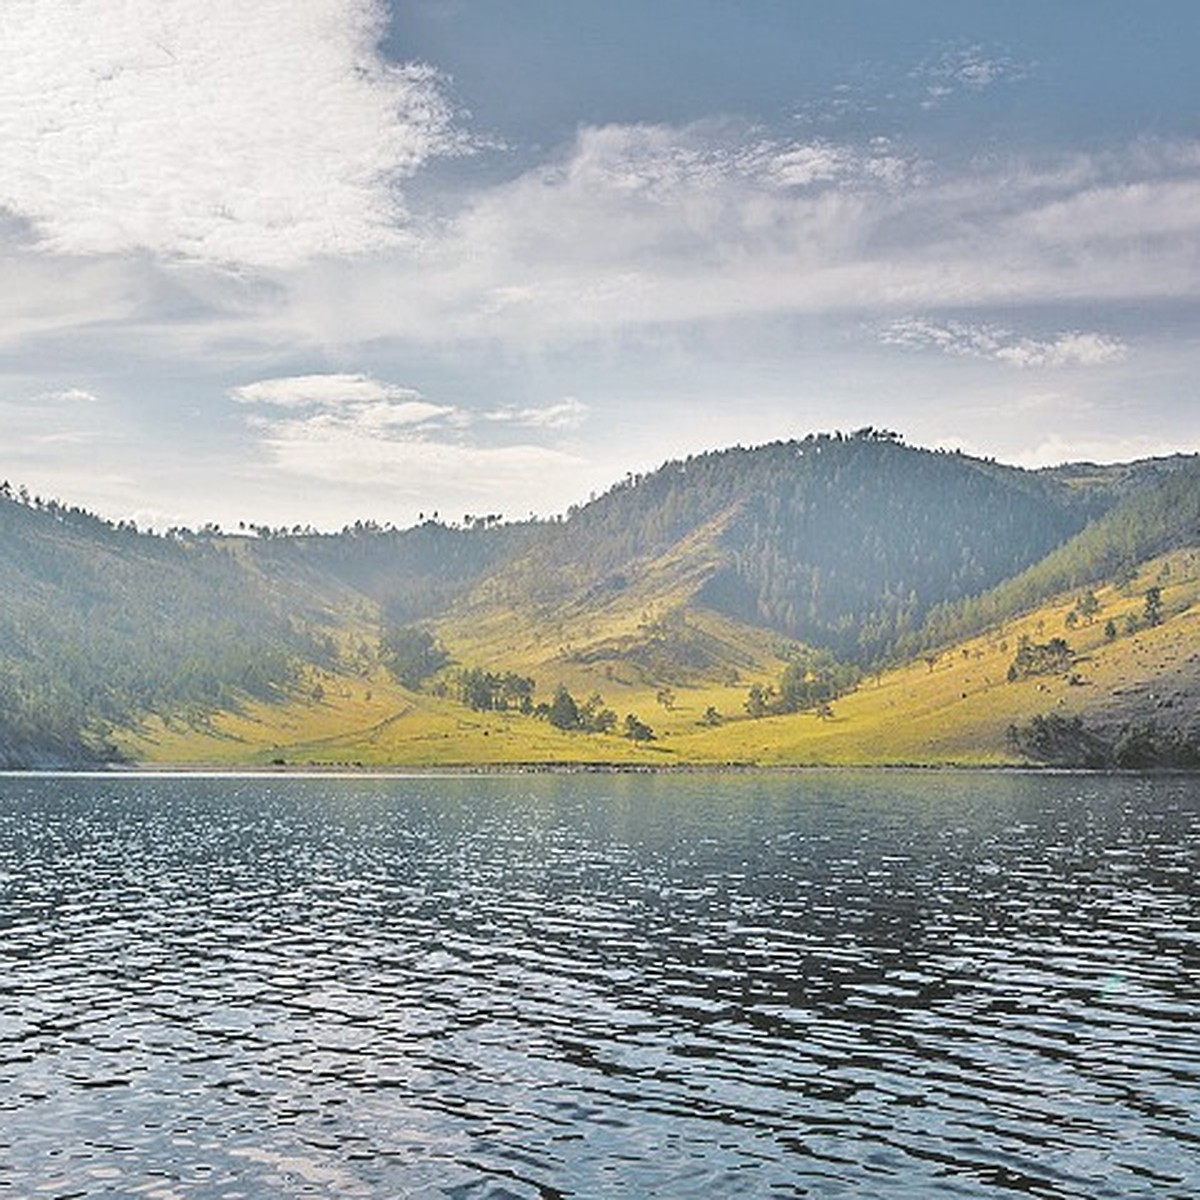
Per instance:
x=844, y=600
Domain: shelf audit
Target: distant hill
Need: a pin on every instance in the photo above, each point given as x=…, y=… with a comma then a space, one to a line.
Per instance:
x=410, y=574
x=845, y=542
x=1156, y=509
x=100, y=623
x=709, y=573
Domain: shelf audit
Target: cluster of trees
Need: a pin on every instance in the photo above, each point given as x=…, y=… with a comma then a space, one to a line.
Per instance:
x=1039, y=658
x=1069, y=742
x=490, y=691
x=589, y=716
x=812, y=679
x=495, y=691
x=412, y=654
x=637, y=730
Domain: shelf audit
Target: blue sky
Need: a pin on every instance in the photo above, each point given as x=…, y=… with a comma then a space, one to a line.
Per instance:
x=308, y=261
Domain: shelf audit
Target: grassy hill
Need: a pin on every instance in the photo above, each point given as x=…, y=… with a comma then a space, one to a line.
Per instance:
x=100, y=623
x=844, y=542
x=928, y=578
x=957, y=706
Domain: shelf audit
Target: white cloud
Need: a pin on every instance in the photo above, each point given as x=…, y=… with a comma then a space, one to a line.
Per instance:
x=965, y=68
x=335, y=408
x=1058, y=448
x=963, y=339
x=643, y=226
x=1113, y=213
x=663, y=163
x=330, y=391
x=355, y=430
x=343, y=454
x=568, y=414
x=637, y=227
x=68, y=396
x=248, y=134
x=1065, y=350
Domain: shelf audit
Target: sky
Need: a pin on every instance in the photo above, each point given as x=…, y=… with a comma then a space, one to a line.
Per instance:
x=316, y=261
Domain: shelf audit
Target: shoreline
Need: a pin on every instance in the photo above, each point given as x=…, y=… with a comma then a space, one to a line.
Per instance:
x=460, y=770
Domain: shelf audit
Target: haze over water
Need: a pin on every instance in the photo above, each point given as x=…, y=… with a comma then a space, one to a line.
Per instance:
x=890, y=984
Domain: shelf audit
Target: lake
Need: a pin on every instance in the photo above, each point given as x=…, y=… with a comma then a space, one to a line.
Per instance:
x=890, y=984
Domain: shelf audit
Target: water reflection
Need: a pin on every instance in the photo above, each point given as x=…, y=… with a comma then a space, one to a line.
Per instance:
x=828, y=985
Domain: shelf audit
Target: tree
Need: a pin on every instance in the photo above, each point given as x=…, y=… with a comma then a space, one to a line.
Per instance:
x=1153, y=610
x=636, y=730
x=757, y=701
x=594, y=717
x=1038, y=658
x=605, y=721
x=477, y=689
x=516, y=691
x=1088, y=606
x=412, y=654
x=812, y=678
x=563, y=712
x=1110, y=630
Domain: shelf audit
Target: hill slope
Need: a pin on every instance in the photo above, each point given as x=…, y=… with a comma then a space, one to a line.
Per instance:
x=100, y=623
x=845, y=542
x=667, y=598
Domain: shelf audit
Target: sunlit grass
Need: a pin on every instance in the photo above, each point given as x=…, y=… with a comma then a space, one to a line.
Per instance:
x=955, y=707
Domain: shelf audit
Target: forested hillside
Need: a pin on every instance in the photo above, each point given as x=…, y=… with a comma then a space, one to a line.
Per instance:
x=845, y=542
x=855, y=544
x=409, y=573
x=1161, y=512
x=100, y=623
x=848, y=543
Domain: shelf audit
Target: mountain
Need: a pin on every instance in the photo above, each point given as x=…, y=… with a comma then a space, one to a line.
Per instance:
x=845, y=542
x=794, y=567
x=100, y=623
x=1157, y=511
x=407, y=574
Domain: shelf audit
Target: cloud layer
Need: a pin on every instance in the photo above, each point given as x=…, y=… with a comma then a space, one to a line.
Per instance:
x=649, y=225
x=250, y=134
x=197, y=196
x=963, y=339
x=355, y=428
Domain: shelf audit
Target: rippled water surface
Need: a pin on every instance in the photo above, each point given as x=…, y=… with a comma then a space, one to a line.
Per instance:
x=892, y=985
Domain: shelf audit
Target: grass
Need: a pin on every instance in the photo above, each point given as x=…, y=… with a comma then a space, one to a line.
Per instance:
x=956, y=708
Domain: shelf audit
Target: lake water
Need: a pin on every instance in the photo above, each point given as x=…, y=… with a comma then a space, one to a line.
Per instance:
x=848, y=985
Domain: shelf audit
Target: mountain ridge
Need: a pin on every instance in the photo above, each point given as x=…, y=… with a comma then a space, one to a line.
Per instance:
x=712, y=571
